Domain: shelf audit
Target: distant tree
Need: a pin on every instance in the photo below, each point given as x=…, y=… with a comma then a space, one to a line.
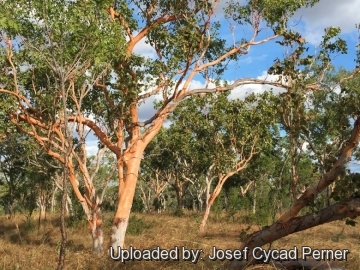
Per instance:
x=26, y=177
x=223, y=137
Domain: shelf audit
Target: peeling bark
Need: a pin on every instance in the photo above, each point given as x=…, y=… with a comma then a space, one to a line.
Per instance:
x=222, y=178
x=127, y=186
x=97, y=232
x=118, y=232
x=206, y=216
x=210, y=198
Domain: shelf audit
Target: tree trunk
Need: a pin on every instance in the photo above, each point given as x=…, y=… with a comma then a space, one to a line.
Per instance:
x=200, y=204
x=179, y=195
x=347, y=208
x=148, y=203
x=160, y=199
x=42, y=213
x=8, y=211
x=62, y=252
x=328, y=196
x=211, y=198
x=208, y=199
x=53, y=200
x=254, y=200
x=194, y=208
x=9, y=207
x=206, y=213
x=69, y=206
x=163, y=202
x=295, y=178
x=127, y=186
x=97, y=232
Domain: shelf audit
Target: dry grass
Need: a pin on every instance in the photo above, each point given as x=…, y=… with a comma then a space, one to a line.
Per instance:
x=24, y=247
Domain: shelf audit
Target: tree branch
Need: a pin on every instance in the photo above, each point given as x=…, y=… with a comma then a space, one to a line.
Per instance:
x=349, y=208
x=311, y=193
x=101, y=135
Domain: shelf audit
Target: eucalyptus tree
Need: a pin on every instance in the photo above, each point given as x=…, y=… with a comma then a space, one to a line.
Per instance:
x=223, y=138
x=261, y=174
x=88, y=48
x=326, y=131
x=290, y=221
x=13, y=174
x=155, y=172
x=49, y=64
x=292, y=112
x=26, y=175
x=168, y=158
x=152, y=189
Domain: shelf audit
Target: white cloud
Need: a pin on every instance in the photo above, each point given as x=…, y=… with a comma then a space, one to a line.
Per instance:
x=146, y=109
x=195, y=84
x=343, y=14
x=144, y=49
x=252, y=59
x=243, y=91
x=91, y=148
x=219, y=11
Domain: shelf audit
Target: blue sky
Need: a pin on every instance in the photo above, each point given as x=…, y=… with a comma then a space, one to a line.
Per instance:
x=310, y=22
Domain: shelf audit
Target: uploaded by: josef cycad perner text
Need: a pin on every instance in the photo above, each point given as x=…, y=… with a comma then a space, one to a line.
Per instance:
x=258, y=253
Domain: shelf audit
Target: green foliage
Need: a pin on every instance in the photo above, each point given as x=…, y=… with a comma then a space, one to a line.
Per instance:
x=25, y=174
x=218, y=206
x=76, y=220
x=234, y=202
x=53, y=38
x=347, y=186
x=273, y=11
x=109, y=202
x=138, y=225
x=215, y=130
x=137, y=206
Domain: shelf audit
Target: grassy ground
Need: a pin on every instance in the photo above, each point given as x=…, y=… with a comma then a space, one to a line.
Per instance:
x=23, y=246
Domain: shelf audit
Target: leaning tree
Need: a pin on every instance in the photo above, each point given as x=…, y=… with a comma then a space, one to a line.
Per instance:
x=86, y=50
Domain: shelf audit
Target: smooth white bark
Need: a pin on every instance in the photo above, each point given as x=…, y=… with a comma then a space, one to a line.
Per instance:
x=98, y=240
x=118, y=234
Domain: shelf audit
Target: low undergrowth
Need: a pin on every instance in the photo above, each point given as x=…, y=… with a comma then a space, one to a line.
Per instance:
x=25, y=246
